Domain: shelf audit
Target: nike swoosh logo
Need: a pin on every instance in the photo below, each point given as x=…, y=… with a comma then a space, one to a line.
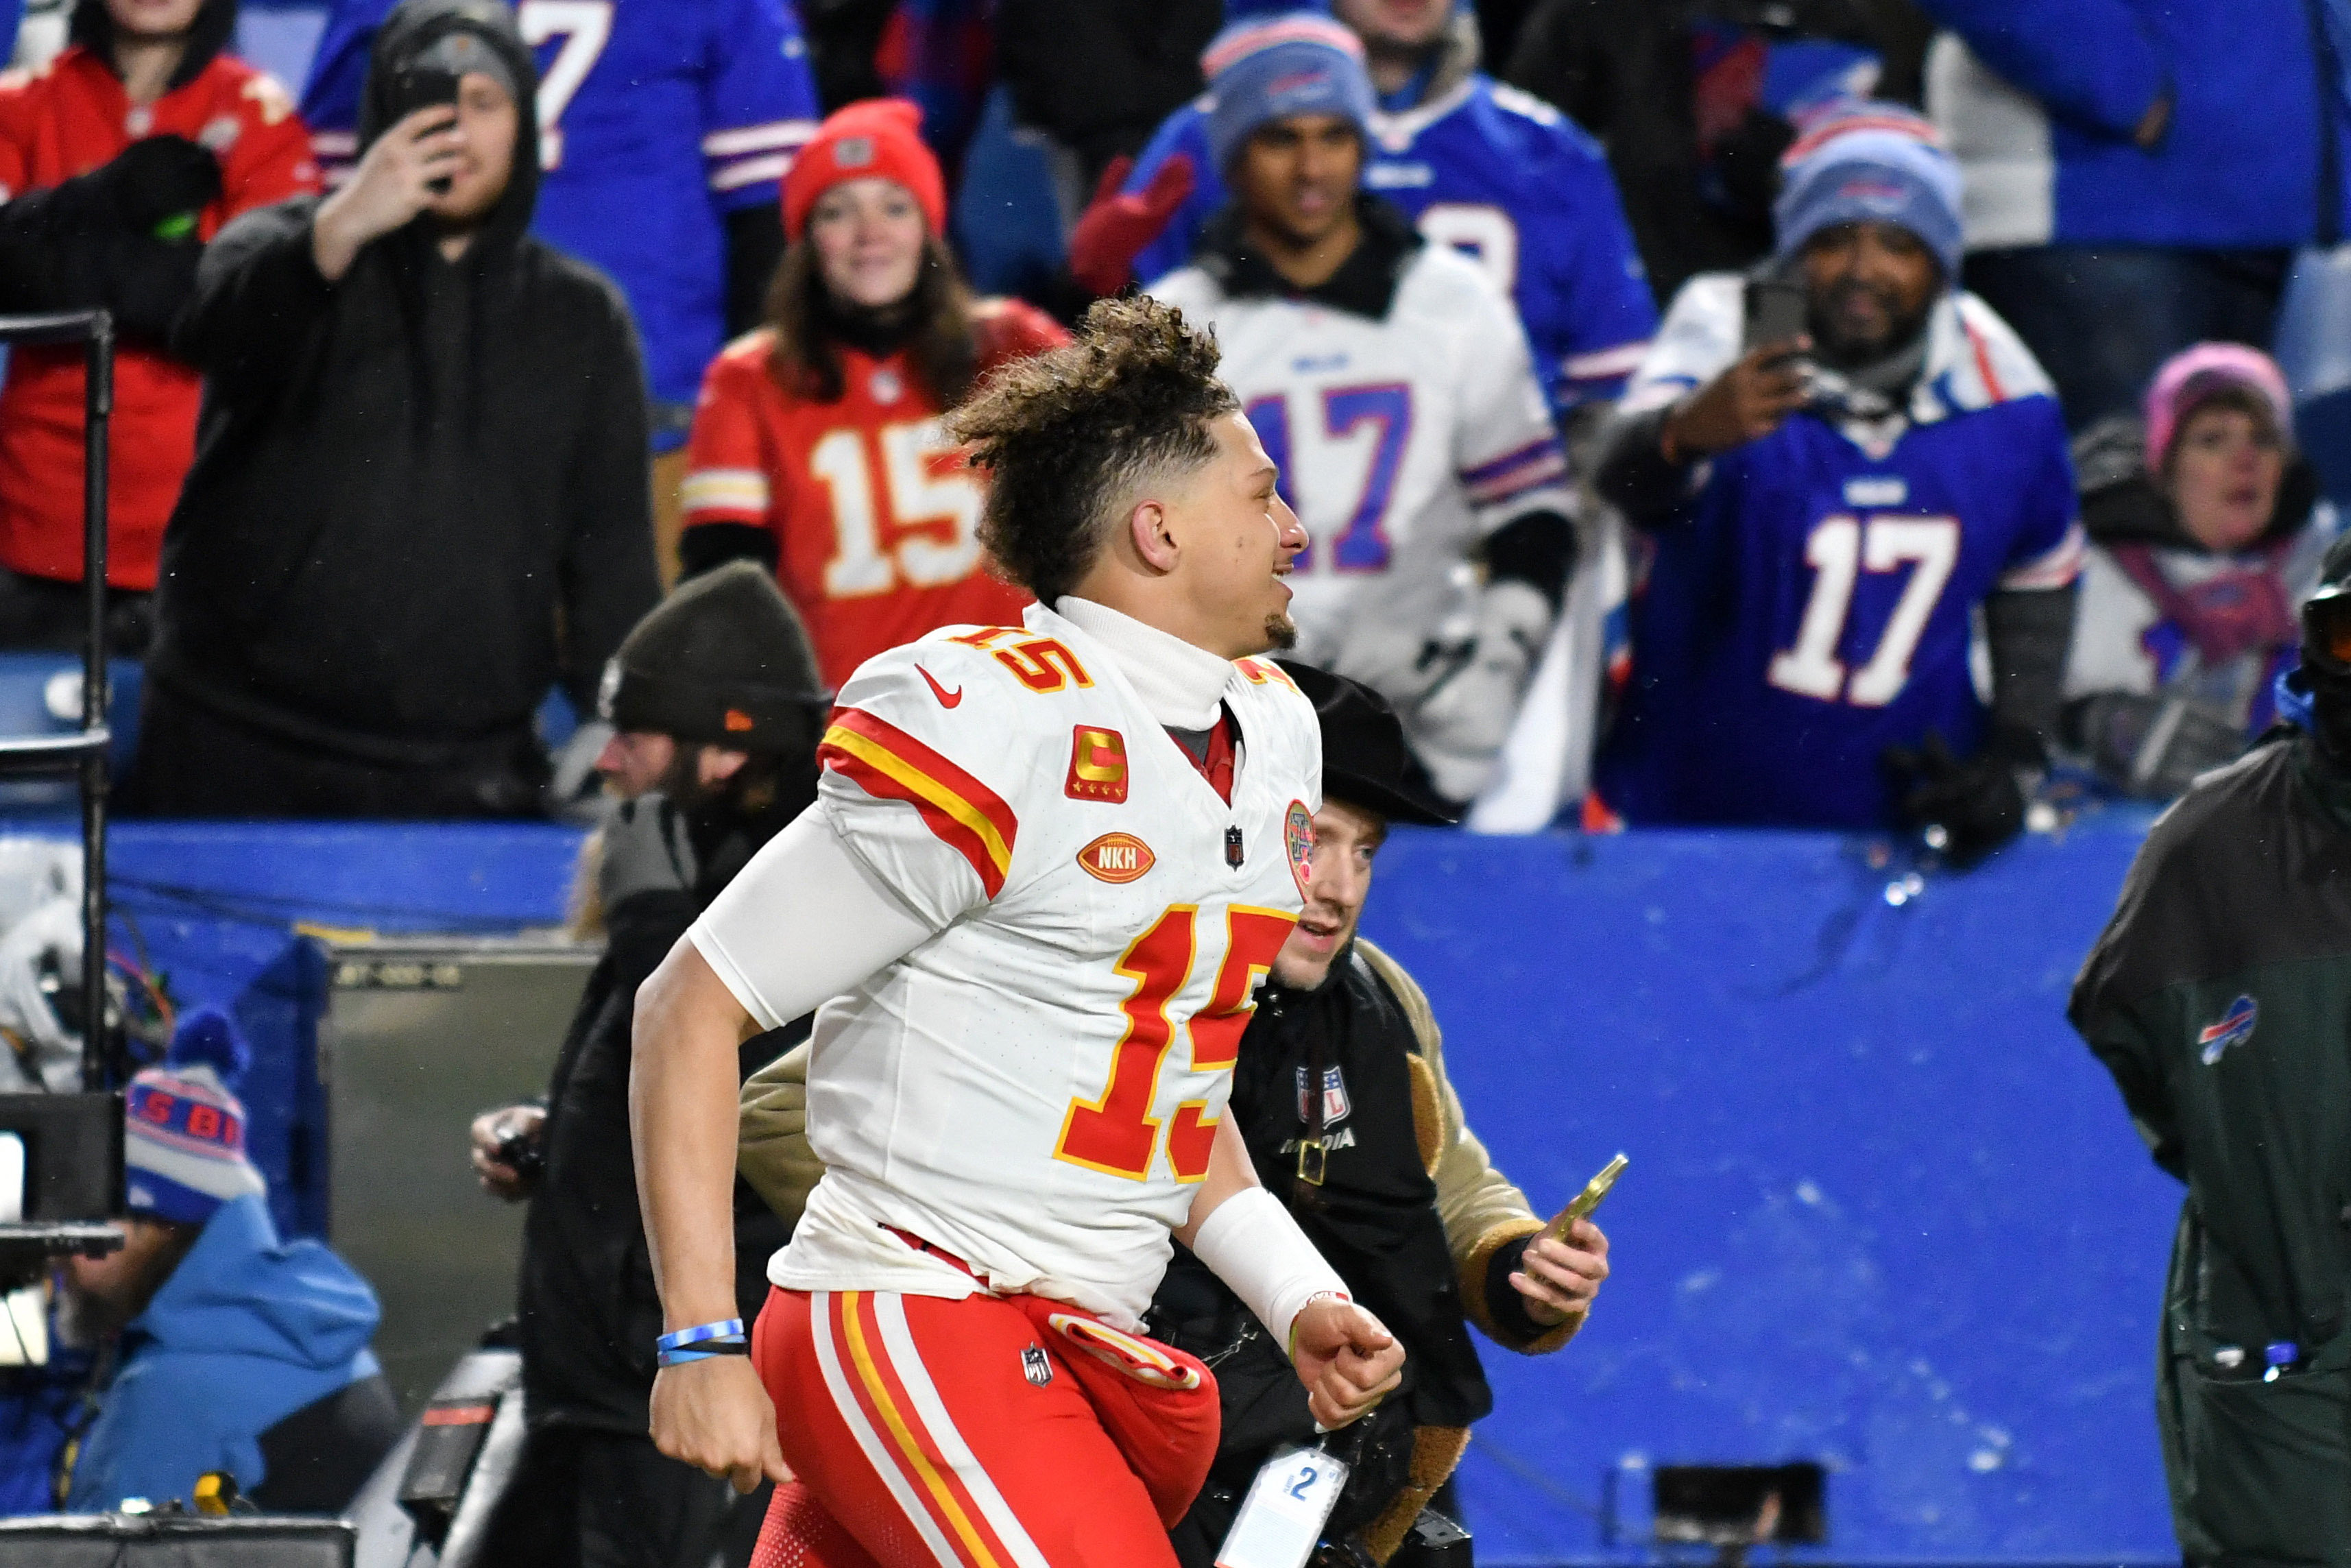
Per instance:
x=946, y=698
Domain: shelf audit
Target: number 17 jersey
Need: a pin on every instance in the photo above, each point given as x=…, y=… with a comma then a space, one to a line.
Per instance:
x=1035, y=1088
x=1813, y=603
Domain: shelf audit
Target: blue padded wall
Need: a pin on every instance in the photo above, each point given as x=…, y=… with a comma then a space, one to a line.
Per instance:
x=1884, y=1211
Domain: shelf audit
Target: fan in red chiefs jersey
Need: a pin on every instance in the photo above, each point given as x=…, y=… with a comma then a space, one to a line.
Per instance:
x=119, y=161
x=817, y=447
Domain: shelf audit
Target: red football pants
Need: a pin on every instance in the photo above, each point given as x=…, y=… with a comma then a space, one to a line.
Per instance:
x=919, y=1425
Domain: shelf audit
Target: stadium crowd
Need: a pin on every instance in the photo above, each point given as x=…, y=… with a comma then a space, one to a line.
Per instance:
x=1940, y=290
x=1848, y=413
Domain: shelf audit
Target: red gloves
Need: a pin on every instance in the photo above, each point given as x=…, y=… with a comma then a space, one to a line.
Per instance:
x=1116, y=227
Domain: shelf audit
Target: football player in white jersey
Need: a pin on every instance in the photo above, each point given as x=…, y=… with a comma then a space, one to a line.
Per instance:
x=1391, y=382
x=1048, y=865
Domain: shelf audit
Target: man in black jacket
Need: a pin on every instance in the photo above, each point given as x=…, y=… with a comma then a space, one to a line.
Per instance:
x=724, y=670
x=419, y=496
x=1340, y=1093
x=2220, y=997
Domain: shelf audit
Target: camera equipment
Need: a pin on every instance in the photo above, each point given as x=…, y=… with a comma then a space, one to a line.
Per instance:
x=436, y=1494
x=521, y=1153
x=69, y=1148
x=175, y=1541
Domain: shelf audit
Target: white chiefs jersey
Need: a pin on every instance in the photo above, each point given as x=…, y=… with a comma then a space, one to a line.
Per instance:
x=1034, y=1088
x=1402, y=441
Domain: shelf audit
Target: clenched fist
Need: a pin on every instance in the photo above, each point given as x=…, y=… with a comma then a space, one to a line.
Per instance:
x=1347, y=1360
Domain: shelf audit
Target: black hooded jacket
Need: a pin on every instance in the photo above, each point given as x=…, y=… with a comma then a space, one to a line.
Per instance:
x=420, y=492
x=589, y=1313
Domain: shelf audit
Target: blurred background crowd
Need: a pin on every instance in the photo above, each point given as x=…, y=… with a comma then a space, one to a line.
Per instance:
x=1847, y=412
x=1918, y=416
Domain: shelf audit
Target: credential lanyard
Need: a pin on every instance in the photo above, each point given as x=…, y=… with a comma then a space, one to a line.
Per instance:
x=1282, y=1518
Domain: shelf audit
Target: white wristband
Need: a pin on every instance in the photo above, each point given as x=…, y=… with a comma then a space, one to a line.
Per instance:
x=1250, y=1242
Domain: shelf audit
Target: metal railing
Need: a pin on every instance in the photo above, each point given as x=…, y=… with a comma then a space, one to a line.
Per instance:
x=82, y=756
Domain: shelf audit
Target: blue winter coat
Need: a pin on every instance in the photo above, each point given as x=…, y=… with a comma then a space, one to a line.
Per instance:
x=247, y=1331
x=2254, y=157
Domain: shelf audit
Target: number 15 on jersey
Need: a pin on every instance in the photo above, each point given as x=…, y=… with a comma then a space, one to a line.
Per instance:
x=1117, y=1135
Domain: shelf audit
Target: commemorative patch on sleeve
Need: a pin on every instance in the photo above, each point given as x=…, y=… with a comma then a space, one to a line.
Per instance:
x=1298, y=843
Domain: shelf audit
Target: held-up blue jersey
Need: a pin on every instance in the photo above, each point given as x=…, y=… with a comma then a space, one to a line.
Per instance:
x=1507, y=179
x=657, y=119
x=1813, y=603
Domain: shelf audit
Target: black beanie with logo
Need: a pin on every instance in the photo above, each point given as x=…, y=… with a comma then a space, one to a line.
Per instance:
x=724, y=661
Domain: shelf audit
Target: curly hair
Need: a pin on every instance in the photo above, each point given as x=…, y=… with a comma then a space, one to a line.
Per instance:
x=1066, y=435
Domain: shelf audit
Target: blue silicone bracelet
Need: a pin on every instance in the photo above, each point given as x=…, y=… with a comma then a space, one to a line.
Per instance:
x=727, y=1328
x=719, y=1350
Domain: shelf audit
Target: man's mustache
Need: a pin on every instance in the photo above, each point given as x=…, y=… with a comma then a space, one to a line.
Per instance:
x=1841, y=294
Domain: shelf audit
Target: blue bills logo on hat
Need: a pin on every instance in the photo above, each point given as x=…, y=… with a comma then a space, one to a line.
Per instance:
x=2234, y=1027
x=1875, y=195
x=1308, y=84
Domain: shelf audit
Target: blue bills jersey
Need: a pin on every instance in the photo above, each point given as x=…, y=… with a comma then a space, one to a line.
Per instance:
x=657, y=119
x=1503, y=177
x=1813, y=601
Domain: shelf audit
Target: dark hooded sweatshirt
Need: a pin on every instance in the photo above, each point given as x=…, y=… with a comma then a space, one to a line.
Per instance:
x=419, y=493
x=2220, y=997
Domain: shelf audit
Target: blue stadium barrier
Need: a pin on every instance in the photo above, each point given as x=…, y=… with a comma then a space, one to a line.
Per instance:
x=215, y=908
x=1883, y=1212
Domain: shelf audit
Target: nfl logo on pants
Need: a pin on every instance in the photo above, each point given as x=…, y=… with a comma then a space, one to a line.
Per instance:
x=1035, y=1368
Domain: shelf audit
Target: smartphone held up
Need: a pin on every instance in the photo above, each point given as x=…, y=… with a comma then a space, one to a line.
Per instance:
x=422, y=86
x=1581, y=1205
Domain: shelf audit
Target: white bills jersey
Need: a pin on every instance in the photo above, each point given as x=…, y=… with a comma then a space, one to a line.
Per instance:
x=1403, y=441
x=1034, y=1088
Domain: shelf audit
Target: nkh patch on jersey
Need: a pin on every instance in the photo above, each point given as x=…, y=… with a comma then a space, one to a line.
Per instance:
x=1035, y=1088
x=1117, y=858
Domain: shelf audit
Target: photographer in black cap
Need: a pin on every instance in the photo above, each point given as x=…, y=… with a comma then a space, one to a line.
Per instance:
x=1342, y=1095
x=715, y=694
x=2220, y=997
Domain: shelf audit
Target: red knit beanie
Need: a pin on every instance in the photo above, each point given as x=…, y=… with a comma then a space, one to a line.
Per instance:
x=880, y=138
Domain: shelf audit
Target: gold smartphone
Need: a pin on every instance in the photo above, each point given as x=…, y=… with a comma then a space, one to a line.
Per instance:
x=1581, y=1205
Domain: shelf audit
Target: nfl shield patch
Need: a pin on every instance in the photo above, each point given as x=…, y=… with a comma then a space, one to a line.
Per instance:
x=1036, y=1366
x=1336, y=1104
